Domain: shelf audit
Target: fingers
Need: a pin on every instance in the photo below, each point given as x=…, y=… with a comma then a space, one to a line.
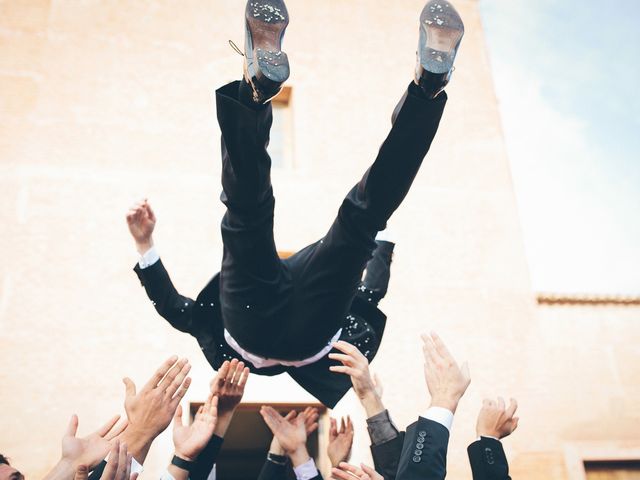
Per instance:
x=343, y=425
x=237, y=372
x=513, y=406
x=102, y=431
x=147, y=207
x=344, y=359
x=112, y=463
x=160, y=373
x=333, y=429
x=348, y=349
x=117, y=430
x=72, y=428
x=127, y=472
x=352, y=469
x=177, y=417
x=122, y=462
x=243, y=379
x=271, y=418
x=442, y=349
x=342, y=369
x=350, y=429
x=174, y=378
x=218, y=382
x=82, y=473
x=213, y=409
x=370, y=471
x=182, y=391
x=129, y=387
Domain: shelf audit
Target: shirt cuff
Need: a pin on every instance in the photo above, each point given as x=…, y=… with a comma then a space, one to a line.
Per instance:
x=487, y=436
x=136, y=467
x=165, y=475
x=148, y=258
x=306, y=471
x=440, y=415
x=381, y=428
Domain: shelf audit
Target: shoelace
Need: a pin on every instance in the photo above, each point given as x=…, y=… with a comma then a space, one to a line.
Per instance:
x=236, y=48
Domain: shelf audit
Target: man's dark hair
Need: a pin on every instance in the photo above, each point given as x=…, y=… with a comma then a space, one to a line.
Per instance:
x=4, y=460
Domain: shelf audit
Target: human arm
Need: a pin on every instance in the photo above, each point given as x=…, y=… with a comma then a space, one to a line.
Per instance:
x=189, y=441
x=173, y=307
x=150, y=410
x=292, y=437
x=424, y=453
x=486, y=455
x=340, y=441
x=228, y=387
x=85, y=453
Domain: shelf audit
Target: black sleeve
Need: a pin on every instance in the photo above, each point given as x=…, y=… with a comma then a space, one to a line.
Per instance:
x=273, y=471
x=424, y=452
x=207, y=459
x=96, y=473
x=386, y=456
x=172, y=306
x=488, y=461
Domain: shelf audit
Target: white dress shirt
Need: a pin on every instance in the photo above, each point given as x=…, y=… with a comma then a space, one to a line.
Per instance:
x=151, y=256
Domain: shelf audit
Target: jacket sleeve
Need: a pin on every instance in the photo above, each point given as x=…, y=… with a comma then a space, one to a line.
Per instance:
x=386, y=456
x=488, y=460
x=424, y=452
x=173, y=307
x=207, y=459
x=273, y=471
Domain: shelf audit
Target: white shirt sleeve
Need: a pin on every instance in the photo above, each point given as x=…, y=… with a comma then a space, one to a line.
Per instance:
x=306, y=471
x=148, y=258
x=486, y=436
x=441, y=415
x=165, y=475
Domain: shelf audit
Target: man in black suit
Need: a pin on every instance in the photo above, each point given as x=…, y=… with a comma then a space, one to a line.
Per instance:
x=284, y=315
x=486, y=455
x=421, y=451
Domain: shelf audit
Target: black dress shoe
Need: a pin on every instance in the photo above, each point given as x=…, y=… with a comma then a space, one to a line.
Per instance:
x=441, y=30
x=266, y=66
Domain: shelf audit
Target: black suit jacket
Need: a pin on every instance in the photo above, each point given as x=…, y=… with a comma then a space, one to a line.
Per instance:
x=386, y=456
x=424, y=452
x=488, y=461
x=202, y=319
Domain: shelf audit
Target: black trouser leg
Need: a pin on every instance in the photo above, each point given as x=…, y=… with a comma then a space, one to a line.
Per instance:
x=327, y=273
x=252, y=282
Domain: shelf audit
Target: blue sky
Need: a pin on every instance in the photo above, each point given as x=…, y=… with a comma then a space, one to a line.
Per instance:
x=567, y=77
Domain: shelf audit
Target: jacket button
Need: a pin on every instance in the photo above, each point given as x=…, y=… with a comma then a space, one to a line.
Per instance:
x=418, y=452
x=417, y=459
x=422, y=433
x=419, y=446
x=420, y=439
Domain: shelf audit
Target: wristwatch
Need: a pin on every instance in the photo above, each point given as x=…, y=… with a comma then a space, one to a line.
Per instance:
x=182, y=463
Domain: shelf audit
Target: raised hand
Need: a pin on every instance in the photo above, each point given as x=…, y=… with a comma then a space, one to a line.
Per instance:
x=228, y=385
x=446, y=381
x=345, y=471
x=340, y=441
x=356, y=365
x=118, y=466
x=310, y=425
x=150, y=411
x=92, y=449
x=494, y=420
x=141, y=221
x=291, y=434
x=191, y=440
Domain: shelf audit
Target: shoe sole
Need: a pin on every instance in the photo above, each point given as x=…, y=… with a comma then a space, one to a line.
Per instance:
x=266, y=22
x=441, y=30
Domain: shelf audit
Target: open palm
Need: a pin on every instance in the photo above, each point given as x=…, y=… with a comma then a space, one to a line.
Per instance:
x=92, y=449
x=191, y=440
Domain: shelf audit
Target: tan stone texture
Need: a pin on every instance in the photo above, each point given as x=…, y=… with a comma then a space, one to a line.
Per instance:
x=102, y=103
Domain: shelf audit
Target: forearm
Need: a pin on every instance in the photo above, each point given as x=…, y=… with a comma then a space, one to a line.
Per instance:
x=222, y=425
x=177, y=473
x=372, y=404
x=64, y=470
x=138, y=443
